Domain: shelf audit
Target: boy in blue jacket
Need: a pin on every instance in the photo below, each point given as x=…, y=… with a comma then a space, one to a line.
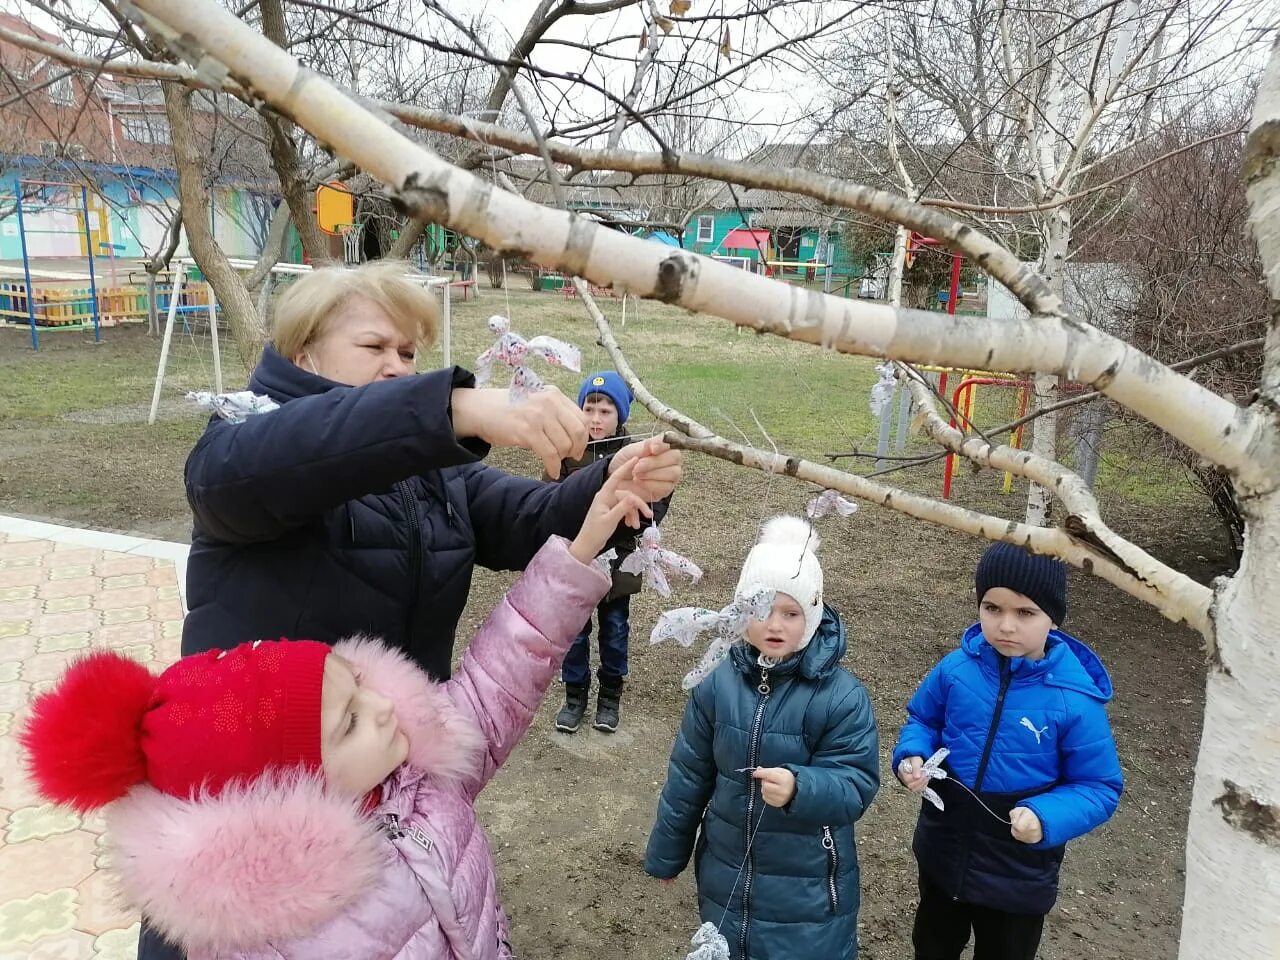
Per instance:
x=1021, y=707
x=776, y=758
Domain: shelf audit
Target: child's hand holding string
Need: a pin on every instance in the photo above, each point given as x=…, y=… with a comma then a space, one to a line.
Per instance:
x=658, y=468
x=614, y=503
x=1025, y=825
x=777, y=785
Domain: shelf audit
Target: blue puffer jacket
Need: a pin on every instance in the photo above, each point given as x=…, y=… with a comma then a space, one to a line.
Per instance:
x=1030, y=733
x=356, y=510
x=798, y=894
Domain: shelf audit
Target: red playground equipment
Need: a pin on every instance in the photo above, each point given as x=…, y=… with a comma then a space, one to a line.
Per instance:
x=965, y=394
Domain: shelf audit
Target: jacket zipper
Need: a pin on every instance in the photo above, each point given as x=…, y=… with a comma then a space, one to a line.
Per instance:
x=395, y=830
x=415, y=556
x=753, y=757
x=1006, y=677
x=833, y=867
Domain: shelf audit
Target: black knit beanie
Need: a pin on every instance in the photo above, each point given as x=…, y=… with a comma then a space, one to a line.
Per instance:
x=1043, y=579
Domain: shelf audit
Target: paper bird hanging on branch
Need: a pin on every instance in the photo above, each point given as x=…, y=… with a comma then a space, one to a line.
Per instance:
x=514, y=351
x=828, y=502
x=882, y=391
x=727, y=626
x=655, y=563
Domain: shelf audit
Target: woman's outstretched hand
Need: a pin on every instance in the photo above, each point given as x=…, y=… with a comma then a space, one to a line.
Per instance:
x=545, y=422
x=616, y=502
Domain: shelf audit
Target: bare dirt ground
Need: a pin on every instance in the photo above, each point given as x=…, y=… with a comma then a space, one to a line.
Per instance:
x=569, y=815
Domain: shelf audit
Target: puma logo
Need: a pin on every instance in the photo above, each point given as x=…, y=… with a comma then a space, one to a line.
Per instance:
x=1026, y=722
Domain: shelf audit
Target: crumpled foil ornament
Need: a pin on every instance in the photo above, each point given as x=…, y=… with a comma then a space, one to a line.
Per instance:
x=708, y=944
x=654, y=562
x=728, y=624
x=828, y=502
x=233, y=407
x=514, y=351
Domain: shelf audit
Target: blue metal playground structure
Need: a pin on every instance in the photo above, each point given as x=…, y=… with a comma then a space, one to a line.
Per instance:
x=14, y=300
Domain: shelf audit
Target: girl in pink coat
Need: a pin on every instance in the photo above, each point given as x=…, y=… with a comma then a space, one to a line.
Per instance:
x=290, y=800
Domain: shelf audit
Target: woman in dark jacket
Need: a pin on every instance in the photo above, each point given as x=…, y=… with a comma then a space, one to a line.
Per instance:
x=361, y=504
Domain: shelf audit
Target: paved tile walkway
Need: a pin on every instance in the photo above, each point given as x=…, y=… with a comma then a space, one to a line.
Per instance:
x=64, y=591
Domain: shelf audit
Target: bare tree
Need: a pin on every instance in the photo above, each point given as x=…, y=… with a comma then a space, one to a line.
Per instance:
x=1008, y=112
x=1196, y=280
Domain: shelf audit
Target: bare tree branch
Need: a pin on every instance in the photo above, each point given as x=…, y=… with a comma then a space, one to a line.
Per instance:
x=1189, y=604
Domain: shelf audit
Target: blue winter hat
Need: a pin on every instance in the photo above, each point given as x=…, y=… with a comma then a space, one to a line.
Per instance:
x=1043, y=579
x=609, y=383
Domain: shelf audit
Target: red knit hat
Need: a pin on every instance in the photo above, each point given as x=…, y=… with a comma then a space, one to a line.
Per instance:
x=110, y=724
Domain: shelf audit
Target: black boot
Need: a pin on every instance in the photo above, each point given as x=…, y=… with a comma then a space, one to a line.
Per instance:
x=608, y=704
x=575, y=705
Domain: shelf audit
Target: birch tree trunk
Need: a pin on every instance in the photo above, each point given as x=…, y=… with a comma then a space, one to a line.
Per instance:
x=1044, y=441
x=1232, y=903
x=1231, y=907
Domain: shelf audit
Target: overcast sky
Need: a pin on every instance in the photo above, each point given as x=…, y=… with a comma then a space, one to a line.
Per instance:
x=775, y=99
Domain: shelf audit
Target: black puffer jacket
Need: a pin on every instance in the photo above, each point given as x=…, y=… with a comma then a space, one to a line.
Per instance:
x=356, y=509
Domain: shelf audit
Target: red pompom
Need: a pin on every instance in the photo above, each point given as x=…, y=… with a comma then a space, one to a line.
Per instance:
x=84, y=737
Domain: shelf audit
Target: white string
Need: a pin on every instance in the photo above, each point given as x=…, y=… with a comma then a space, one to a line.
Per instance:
x=769, y=474
x=745, y=857
x=933, y=771
x=631, y=437
x=980, y=803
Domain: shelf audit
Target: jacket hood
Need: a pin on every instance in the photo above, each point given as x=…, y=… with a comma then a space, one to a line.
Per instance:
x=822, y=655
x=282, y=380
x=1068, y=663
x=277, y=858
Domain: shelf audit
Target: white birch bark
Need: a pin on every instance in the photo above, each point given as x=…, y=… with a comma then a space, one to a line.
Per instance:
x=1231, y=906
x=902, y=236
x=1232, y=903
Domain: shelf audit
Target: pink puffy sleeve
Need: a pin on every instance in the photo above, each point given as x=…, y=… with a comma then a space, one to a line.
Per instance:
x=516, y=653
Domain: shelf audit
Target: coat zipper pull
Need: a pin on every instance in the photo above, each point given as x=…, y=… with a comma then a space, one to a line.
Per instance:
x=419, y=836
x=448, y=509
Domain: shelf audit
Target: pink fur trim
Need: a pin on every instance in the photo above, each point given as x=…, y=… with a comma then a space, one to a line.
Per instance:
x=273, y=861
x=443, y=743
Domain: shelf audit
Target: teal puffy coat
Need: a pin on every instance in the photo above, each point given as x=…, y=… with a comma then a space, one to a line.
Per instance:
x=798, y=894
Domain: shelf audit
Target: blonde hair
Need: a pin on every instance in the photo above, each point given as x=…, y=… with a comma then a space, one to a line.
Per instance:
x=303, y=311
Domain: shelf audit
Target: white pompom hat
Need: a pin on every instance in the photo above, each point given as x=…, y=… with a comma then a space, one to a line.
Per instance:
x=785, y=560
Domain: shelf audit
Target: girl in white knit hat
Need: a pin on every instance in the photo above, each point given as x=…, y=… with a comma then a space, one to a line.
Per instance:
x=776, y=758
